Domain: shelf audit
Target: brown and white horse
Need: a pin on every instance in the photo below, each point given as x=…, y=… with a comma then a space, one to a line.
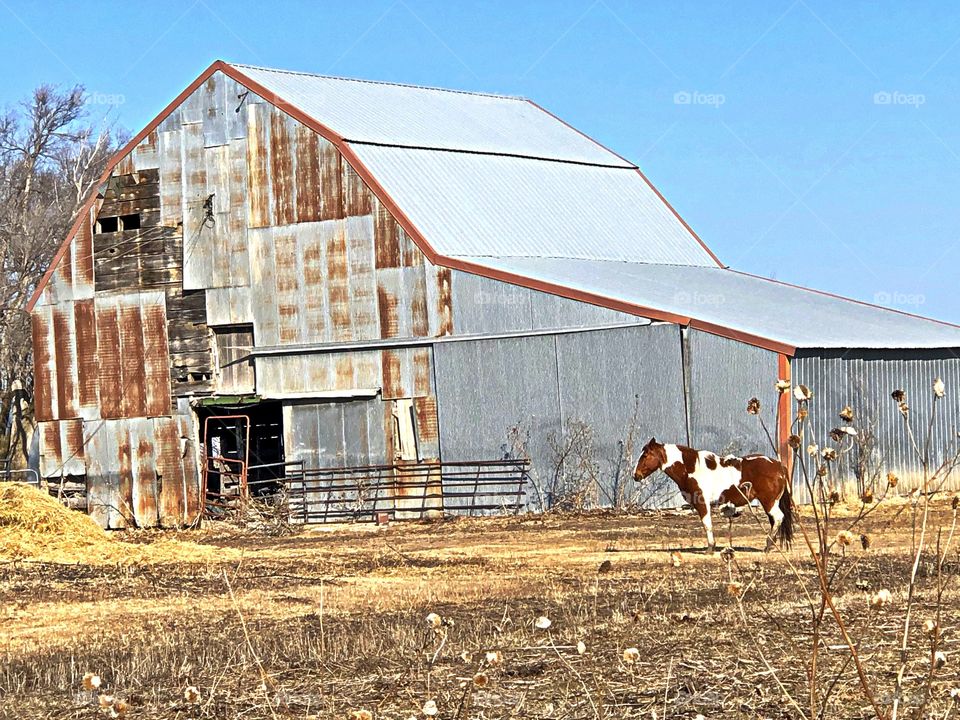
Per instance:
x=730, y=482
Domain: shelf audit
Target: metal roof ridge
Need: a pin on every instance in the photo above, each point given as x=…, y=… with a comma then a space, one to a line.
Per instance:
x=588, y=259
x=517, y=98
x=490, y=153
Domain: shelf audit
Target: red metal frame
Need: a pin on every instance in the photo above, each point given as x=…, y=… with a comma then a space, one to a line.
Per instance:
x=242, y=464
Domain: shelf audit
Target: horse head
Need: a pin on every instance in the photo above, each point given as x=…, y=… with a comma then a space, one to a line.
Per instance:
x=652, y=458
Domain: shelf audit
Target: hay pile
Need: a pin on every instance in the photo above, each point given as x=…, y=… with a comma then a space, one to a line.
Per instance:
x=35, y=526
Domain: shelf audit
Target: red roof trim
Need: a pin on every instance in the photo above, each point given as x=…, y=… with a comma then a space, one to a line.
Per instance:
x=428, y=250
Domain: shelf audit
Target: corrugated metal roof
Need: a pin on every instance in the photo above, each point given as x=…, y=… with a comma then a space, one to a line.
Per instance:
x=745, y=303
x=467, y=204
x=377, y=112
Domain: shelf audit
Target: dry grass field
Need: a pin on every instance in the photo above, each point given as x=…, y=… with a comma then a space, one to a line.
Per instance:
x=331, y=622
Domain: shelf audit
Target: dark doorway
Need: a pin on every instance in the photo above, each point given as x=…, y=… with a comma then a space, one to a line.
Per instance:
x=247, y=433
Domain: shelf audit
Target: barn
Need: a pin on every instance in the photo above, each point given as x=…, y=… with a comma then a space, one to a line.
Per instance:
x=401, y=299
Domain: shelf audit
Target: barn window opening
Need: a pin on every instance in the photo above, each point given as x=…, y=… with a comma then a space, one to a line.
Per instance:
x=130, y=222
x=108, y=224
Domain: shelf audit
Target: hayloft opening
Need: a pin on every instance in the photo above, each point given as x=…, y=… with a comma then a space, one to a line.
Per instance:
x=108, y=224
x=130, y=222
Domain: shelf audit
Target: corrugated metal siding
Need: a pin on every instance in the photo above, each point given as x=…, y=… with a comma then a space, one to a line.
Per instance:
x=61, y=448
x=627, y=386
x=477, y=205
x=795, y=316
x=427, y=117
x=484, y=306
x=487, y=387
x=723, y=376
x=335, y=434
x=865, y=380
x=137, y=473
x=234, y=374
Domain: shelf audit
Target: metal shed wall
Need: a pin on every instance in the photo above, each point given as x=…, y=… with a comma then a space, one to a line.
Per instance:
x=544, y=383
x=335, y=434
x=865, y=379
x=722, y=376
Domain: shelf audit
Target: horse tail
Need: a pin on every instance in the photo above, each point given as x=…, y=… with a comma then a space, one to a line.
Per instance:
x=785, y=533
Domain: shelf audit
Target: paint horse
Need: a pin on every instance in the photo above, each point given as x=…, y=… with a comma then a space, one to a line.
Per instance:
x=730, y=482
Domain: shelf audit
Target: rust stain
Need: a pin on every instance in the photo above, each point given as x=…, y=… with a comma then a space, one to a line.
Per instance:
x=83, y=244
x=420, y=317
x=386, y=240
x=156, y=360
x=314, y=320
x=444, y=302
x=85, y=329
x=63, y=341
x=52, y=449
x=422, y=372
x=258, y=170
x=308, y=171
x=357, y=198
x=392, y=379
x=42, y=397
x=171, y=491
x=132, y=368
x=281, y=162
x=331, y=181
x=287, y=276
x=125, y=166
x=120, y=516
x=110, y=377
x=426, y=412
x=145, y=474
x=344, y=372
x=410, y=253
x=387, y=305
x=73, y=434
x=338, y=290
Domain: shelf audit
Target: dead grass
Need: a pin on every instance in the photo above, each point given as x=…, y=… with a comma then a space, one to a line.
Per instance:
x=336, y=621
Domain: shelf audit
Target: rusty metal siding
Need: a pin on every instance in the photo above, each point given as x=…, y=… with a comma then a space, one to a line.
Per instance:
x=146, y=154
x=143, y=472
x=230, y=306
x=44, y=363
x=865, y=379
x=88, y=392
x=292, y=375
x=197, y=223
x=133, y=382
x=213, y=105
x=626, y=385
x=61, y=448
x=259, y=210
x=171, y=178
x=282, y=154
x=66, y=360
x=723, y=376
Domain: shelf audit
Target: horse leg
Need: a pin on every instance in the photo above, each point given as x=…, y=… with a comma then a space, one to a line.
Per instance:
x=703, y=510
x=776, y=519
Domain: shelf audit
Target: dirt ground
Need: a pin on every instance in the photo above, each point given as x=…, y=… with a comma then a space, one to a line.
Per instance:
x=329, y=621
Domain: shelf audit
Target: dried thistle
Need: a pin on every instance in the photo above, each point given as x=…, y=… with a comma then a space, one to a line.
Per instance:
x=828, y=454
x=430, y=708
x=892, y=479
x=434, y=621
x=734, y=588
x=91, y=681
x=939, y=659
x=802, y=393
x=543, y=623
x=865, y=541
x=783, y=386
x=631, y=655
x=361, y=715
x=753, y=406
x=794, y=442
x=939, y=389
x=898, y=396
x=106, y=701
x=844, y=538
x=867, y=496
x=675, y=559
x=813, y=450
x=836, y=434
x=481, y=679
x=846, y=414
x=880, y=599
x=849, y=431
x=834, y=495
x=191, y=694
x=930, y=627
x=494, y=658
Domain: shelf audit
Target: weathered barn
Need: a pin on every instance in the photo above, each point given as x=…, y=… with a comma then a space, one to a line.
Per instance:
x=376, y=274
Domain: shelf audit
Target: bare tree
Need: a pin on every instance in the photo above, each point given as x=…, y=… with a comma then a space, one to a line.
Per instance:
x=51, y=157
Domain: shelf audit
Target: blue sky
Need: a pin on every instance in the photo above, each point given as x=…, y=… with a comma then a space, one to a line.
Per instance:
x=812, y=141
